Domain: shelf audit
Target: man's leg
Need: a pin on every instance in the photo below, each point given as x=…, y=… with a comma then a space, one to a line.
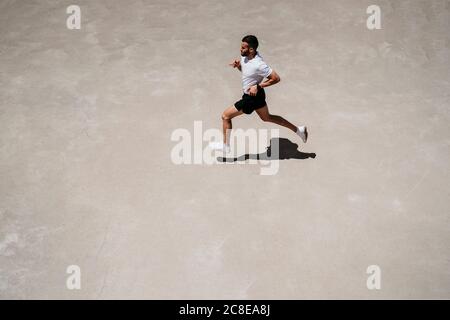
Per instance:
x=264, y=114
x=227, y=115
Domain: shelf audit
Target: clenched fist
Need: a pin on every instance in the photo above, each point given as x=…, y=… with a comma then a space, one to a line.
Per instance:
x=253, y=90
x=236, y=64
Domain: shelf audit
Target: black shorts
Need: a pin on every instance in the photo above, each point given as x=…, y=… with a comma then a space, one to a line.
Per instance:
x=250, y=103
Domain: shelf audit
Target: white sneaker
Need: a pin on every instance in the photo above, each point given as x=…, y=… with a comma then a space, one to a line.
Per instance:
x=220, y=146
x=302, y=132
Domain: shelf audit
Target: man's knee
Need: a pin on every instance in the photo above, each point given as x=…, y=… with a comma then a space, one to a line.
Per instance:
x=266, y=118
x=226, y=117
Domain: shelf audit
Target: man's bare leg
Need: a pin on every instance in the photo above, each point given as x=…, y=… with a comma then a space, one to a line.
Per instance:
x=265, y=115
x=227, y=115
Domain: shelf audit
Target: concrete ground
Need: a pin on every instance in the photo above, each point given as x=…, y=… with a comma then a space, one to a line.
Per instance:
x=87, y=178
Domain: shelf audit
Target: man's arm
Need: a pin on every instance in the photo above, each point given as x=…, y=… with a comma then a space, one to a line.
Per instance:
x=272, y=79
x=236, y=64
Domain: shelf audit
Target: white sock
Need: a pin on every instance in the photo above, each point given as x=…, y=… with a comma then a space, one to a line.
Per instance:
x=219, y=145
x=300, y=130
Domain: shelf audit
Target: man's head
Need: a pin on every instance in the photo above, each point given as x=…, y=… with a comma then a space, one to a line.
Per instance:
x=249, y=45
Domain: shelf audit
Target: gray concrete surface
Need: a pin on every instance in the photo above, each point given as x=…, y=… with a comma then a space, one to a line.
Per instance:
x=87, y=179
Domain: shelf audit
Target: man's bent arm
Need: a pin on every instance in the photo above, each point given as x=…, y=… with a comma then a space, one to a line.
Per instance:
x=272, y=79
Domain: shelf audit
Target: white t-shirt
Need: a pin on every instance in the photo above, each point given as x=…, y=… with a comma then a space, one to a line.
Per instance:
x=253, y=71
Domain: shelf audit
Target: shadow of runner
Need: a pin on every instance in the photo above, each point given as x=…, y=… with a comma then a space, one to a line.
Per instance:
x=287, y=150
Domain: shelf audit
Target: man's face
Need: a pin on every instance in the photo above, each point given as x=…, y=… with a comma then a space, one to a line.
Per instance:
x=245, y=49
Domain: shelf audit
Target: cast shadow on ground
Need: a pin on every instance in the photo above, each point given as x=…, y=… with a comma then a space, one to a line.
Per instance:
x=287, y=150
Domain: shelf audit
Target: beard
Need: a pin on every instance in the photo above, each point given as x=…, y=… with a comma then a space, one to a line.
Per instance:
x=244, y=54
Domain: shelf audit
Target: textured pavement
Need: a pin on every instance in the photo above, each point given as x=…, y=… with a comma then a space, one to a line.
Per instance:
x=87, y=179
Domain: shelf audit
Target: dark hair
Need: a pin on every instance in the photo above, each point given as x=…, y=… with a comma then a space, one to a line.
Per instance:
x=252, y=41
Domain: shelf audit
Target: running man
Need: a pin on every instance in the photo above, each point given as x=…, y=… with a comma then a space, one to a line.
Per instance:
x=254, y=71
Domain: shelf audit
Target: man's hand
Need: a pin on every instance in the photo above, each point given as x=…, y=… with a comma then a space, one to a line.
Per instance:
x=272, y=79
x=253, y=90
x=236, y=64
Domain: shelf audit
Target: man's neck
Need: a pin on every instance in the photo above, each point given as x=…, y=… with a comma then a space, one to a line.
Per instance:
x=251, y=56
